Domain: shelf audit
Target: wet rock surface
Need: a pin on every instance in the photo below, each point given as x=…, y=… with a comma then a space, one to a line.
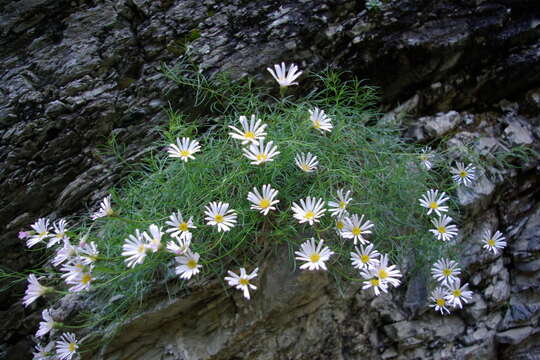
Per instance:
x=78, y=75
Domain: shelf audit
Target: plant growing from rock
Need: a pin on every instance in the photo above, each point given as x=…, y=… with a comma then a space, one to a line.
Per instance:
x=314, y=174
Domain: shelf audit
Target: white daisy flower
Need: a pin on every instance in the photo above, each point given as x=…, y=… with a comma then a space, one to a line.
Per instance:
x=355, y=228
x=261, y=153
x=458, y=294
x=42, y=231
x=493, y=242
x=59, y=233
x=67, y=346
x=218, y=214
x=320, y=121
x=438, y=299
x=365, y=257
x=373, y=281
x=285, y=77
x=89, y=253
x=105, y=208
x=251, y=132
x=154, y=238
x=464, y=175
x=34, y=290
x=433, y=201
x=309, y=210
x=82, y=281
x=388, y=274
x=180, y=246
x=306, y=162
x=314, y=256
x=179, y=227
x=445, y=271
x=265, y=202
x=242, y=281
x=44, y=352
x=188, y=265
x=339, y=207
x=67, y=252
x=135, y=249
x=426, y=157
x=443, y=231
x=184, y=149
x=46, y=325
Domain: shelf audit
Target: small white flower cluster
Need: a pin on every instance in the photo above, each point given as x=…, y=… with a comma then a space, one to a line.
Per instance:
x=76, y=263
x=66, y=347
x=42, y=231
x=373, y=266
x=138, y=245
x=77, y=260
x=449, y=294
x=433, y=201
x=63, y=349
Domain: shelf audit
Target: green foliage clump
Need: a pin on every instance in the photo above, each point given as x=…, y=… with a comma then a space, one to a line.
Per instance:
x=380, y=169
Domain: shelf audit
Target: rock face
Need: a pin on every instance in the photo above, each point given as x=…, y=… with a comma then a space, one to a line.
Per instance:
x=77, y=75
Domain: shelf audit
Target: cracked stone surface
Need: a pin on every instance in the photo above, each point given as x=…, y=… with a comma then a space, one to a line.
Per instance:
x=77, y=74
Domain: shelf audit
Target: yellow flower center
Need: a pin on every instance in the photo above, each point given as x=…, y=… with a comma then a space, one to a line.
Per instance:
x=316, y=124
x=456, y=293
x=72, y=347
x=141, y=249
x=433, y=205
x=218, y=218
x=184, y=153
x=309, y=215
x=463, y=173
x=491, y=242
x=264, y=203
x=249, y=135
x=183, y=227
x=43, y=234
x=423, y=157
x=447, y=272
x=262, y=157
x=59, y=235
x=314, y=257
x=192, y=264
x=243, y=281
x=305, y=167
x=109, y=212
x=86, y=278
x=374, y=282
x=442, y=229
x=356, y=231
x=440, y=302
x=342, y=204
x=383, y=274
x=364, y=259
x=339, y=225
